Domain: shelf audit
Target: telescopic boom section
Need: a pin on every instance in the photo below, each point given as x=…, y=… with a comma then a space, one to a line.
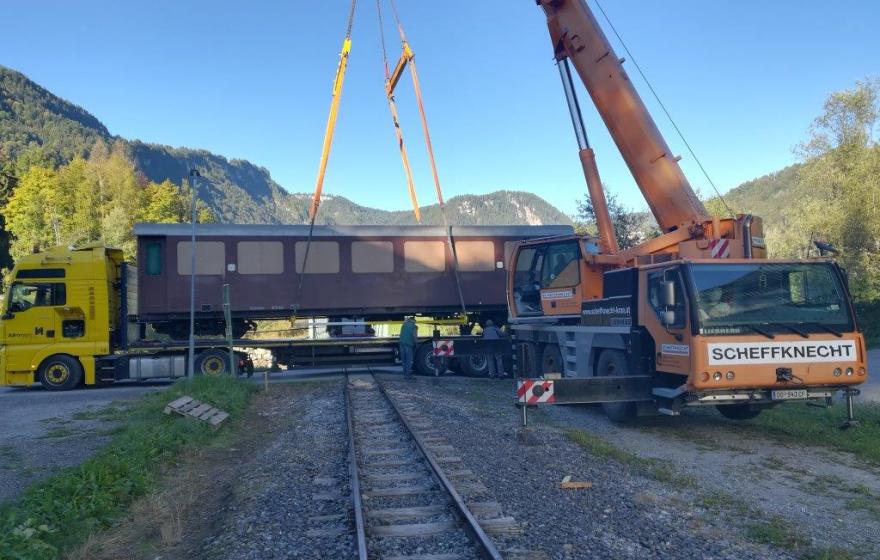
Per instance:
x=576, y=36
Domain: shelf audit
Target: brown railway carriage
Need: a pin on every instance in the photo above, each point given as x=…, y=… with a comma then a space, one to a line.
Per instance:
x=375, y=272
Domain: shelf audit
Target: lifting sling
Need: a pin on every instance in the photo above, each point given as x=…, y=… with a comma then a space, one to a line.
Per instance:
x=407, y=58
x=336, y=97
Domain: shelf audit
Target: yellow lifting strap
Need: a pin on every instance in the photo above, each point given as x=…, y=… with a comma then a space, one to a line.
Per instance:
x=331, y=119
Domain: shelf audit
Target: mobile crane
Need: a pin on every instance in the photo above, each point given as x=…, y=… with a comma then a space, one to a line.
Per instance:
x=696, y=316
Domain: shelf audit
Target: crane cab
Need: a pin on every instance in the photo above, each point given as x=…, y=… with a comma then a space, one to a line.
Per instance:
x=551, y=277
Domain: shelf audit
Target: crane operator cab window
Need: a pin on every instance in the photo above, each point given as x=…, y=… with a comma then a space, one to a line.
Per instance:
x=545, y=267
x=666, y=295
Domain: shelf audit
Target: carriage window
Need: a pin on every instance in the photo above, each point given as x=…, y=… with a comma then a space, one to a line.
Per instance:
x=372, y=256
x=323, y=257
x=154, y=258
x=424, y=256
x=210, y=258
x=475, y=256
x=260, y=257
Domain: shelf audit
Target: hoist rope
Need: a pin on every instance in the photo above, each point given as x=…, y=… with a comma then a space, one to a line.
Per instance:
x=327, y=144
x=663, y=107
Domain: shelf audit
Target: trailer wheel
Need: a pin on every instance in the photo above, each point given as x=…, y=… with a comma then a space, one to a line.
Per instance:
x=612, y=363
x=213, y=363
x=738, y=411
x=60, y=373
x=424, y=360
x=474, y=365
x=551, y=360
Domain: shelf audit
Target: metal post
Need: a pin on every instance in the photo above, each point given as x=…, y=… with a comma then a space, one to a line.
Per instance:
x=435, y=340
x=851, y=421
x=525, y=416
x=227, y=314
x=194, y=175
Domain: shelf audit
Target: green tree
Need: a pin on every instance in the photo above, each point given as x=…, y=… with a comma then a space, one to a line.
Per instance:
x=630, y=228
x=841, y=174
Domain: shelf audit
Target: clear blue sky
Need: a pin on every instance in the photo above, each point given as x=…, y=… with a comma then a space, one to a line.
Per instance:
x=252, y=80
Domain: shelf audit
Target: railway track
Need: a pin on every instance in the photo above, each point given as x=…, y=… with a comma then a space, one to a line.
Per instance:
x=412, y=497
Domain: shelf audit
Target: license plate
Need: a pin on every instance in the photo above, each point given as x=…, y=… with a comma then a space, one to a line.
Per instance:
x=788, y=394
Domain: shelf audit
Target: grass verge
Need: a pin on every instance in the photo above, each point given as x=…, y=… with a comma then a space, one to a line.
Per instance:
x=65, y=508
x=821, y=426
x=660, y=471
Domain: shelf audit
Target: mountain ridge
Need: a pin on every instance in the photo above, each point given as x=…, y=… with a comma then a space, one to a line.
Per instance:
x=236, y=190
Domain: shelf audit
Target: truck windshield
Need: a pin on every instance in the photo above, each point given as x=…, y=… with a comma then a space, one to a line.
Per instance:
x=775, y=296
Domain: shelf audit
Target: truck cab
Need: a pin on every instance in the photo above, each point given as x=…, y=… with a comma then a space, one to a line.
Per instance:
x=56, y=316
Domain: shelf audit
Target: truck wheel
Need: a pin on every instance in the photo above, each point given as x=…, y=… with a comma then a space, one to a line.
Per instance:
x=612, y=363
x=738, y=411
x=424, y=360
x=551, y=360
x=60, y=373
x=213, y=363
x=474, y=365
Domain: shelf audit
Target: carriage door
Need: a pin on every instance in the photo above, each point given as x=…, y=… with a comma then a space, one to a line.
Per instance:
x=152, y=274
x=560, y=278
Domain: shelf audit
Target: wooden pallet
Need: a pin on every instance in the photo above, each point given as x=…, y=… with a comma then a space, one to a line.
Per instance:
x=191, y=408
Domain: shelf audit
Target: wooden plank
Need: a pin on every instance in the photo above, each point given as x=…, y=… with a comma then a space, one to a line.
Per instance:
x=218, y=418
x=187, y=407
x=386, y=451
x=391, y=463
x=484, y=509
x=395, y=477
x=399, y=491
x=405, y=513
x=414, y=530
x=460, y=473
x=501, y=526
x=211, y=412
x=199, y=410
x=326, y=518
x=328, y=532
x=177, y=403
x=446, y=460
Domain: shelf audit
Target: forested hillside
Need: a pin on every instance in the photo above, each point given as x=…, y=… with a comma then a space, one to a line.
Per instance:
x=235, y=190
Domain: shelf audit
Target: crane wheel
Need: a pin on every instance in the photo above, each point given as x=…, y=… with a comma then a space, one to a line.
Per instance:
x=551, y=360
x=60, y=373
x=612, y=363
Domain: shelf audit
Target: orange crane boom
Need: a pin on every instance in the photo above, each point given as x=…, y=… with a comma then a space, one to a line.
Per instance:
x=577, y=36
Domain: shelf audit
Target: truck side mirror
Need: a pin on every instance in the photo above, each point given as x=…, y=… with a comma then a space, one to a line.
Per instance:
x=669, y=318
x=668, y=293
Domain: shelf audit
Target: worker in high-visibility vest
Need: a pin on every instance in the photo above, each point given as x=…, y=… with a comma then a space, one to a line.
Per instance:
x=407, y=343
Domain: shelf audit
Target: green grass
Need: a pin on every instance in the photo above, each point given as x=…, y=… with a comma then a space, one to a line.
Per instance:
x=778, y=532
x=660, y=471
x=65, y=508
x=109, y=413
x=821, y=426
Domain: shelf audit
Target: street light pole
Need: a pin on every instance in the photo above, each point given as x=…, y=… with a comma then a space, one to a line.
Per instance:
x=194, y=175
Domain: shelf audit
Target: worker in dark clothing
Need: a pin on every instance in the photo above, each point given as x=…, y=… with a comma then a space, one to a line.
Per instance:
x=496, y=361
x=407, y=342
